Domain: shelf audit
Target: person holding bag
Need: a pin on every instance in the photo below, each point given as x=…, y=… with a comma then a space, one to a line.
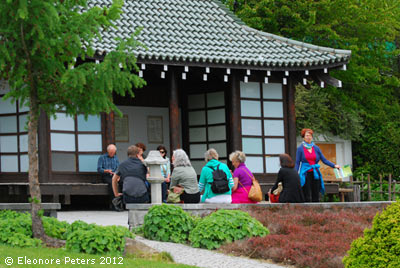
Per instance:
x=242, y=178
x=290, y=190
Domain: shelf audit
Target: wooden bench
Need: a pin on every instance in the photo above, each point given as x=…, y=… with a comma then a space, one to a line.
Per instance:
x=57, y=189
x=50, y=209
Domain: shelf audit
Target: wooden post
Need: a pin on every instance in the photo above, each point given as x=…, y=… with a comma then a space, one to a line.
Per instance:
x=234, y=115
x=109, y=129
x=390, y=187
x=291, y=118
x=369, y=187
x=381, y=185
x=174, y=134
x=43, y=148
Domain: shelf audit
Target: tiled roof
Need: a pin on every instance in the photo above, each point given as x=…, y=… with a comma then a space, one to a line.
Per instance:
x=205, y=32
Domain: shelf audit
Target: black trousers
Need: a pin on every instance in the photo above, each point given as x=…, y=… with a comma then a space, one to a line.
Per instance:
x=190, y=198
x=311, y=188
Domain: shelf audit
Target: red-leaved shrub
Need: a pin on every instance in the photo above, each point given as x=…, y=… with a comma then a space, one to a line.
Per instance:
x=305, y=236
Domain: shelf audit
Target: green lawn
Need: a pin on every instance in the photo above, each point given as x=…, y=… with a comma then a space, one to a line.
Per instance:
x=26, y=257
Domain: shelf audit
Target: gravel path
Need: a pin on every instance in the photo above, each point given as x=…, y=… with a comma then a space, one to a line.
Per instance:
x=181, y=253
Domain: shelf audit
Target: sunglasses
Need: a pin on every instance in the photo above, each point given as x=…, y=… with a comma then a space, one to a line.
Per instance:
x=162, y=152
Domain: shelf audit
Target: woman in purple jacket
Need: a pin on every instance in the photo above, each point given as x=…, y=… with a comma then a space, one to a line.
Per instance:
x=307, y=157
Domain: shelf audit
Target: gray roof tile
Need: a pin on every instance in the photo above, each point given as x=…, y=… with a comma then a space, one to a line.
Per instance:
x=204, y=31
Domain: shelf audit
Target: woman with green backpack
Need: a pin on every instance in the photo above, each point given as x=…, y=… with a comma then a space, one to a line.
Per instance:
x=215, y=180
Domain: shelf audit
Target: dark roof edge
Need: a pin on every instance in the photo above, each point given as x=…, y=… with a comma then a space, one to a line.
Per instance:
x=297, y=43
x=229, y=12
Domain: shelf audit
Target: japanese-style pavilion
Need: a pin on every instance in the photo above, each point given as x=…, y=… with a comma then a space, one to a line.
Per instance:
x=212, y=82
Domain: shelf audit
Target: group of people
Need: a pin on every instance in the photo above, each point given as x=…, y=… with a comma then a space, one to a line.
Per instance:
x=300, y=181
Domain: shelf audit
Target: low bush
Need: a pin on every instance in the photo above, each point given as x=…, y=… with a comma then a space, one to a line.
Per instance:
x=380, y=245
x=305, y=237
x=16, y=229
x=94, y=239
x=55, y=228
x=224, y=226
x=167, y=223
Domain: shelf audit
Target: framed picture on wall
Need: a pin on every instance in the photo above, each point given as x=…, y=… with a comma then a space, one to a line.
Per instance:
x=155, y=129
x=121, y=128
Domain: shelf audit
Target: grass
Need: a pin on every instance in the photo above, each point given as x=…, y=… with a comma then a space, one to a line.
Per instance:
x=69, y=259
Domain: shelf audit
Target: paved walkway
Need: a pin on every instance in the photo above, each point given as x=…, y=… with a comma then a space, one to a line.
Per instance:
x=181, y=253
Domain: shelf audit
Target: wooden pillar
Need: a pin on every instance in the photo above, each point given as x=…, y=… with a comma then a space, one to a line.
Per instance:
x=44, y=148
x=174, y=132
x=109, y=129
x=291, y=118
x=234, y=115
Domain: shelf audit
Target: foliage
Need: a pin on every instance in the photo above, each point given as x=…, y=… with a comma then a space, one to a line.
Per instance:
x=94, y=239
x=367, y=108
x=16, y=229
x=225, y=226
x=303, y=236
x=55, y=228
x=380, y=245
x=167, y=223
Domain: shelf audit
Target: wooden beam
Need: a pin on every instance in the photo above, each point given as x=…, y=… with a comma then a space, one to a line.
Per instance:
x=234, y=115
x=109, y=129
x=328, y=80
x=174, y=134
x=291, y=117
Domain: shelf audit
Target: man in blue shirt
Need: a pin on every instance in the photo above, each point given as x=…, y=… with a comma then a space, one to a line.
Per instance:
x=107, y=165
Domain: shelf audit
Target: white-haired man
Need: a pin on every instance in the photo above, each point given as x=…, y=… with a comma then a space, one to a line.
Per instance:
x=107, y=164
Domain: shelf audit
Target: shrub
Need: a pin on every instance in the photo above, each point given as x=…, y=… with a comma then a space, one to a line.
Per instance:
x=380, y=245
x=225, y=226
x=167, y=223
x=55, y=228
x=94, y=239
x=16, y=229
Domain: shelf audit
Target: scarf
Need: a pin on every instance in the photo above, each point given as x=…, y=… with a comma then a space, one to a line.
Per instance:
x=308, y=145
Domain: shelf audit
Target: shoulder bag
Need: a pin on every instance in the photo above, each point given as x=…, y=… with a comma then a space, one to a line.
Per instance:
x=255, y=193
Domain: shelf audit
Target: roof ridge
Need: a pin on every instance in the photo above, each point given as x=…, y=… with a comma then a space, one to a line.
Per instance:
x=297, y=43
x=229, y=12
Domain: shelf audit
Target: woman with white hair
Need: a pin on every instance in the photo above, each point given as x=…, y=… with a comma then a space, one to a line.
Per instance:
x=185, y=176
x=206, y=179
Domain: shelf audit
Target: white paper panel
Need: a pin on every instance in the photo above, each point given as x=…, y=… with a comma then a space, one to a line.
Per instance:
x=251, y=127
x=8, y=124
x=252, y=145
x=273, y=109
x=198, y=165
x=9, y=163
x=6, y=107
x=255, y=164
x=216, y=116
x=196, y=101
x=23, y=125
x=220, y=147
x=88, y=162
x=8, y=144
x=93, y=123
x=197, y=150
x=272, y=91
x=215, y=99
x=197, y=118
x=216, y=133
x=62, y=142
x=23, y=143
x=89, y=142
x=24, y=163
x=197, y=134
x=250, y=108
x=272, y=164
x=274, y=146
x=273, y=128
x=63, y=122
x=250, y=90
x=63, y=162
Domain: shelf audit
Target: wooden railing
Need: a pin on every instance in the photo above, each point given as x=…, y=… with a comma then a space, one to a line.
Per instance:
x=366, y=183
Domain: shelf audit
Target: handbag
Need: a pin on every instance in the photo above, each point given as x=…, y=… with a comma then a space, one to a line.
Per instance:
x=175, y=195
x=255, y=193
